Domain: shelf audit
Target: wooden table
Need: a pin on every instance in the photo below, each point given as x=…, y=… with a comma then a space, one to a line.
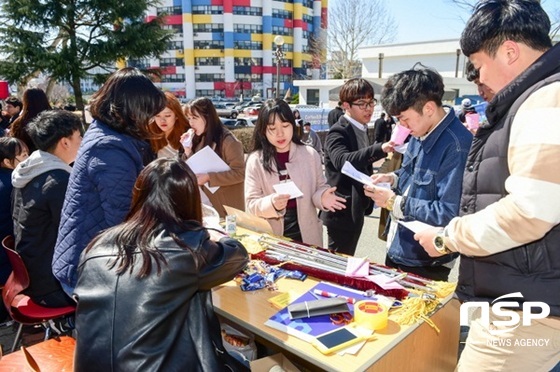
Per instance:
x=397, y=348
x=54, y=355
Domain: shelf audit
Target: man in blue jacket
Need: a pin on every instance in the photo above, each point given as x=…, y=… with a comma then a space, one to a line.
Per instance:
x=427, y=188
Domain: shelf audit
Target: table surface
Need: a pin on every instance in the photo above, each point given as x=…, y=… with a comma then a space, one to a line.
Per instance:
x=56, y=355
x=250, y=310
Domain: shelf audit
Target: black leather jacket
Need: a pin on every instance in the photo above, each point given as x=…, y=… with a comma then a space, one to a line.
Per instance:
x=162, y=322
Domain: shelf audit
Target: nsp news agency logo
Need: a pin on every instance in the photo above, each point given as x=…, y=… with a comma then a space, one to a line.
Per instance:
x=500, y=308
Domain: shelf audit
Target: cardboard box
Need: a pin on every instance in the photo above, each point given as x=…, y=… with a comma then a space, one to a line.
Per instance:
x=265, y=364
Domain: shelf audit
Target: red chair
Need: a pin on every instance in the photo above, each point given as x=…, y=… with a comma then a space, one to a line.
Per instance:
x=21, y=308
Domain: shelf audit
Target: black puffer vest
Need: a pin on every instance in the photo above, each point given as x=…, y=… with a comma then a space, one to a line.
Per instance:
x=532, y=269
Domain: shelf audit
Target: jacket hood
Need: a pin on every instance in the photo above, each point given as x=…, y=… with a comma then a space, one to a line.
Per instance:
x=38, y=163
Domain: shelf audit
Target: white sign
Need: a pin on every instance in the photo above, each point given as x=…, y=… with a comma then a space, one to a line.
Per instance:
x=499, y=308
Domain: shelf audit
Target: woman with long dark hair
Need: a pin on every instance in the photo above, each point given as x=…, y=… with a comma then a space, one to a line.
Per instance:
x=209, y=131
x=144, y=299
x=34, y=102
x=112, y=154
x=280, y=156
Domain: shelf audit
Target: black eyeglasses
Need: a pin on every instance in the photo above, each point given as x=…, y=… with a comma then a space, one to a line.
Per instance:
x=364, y=105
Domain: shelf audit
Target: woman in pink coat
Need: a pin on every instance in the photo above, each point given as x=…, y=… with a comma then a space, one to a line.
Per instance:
x=280, y=157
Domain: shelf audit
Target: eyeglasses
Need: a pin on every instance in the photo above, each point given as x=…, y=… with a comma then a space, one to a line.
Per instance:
x=364, y=105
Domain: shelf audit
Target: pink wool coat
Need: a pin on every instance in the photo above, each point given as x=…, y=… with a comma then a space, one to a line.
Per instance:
x=305, y=170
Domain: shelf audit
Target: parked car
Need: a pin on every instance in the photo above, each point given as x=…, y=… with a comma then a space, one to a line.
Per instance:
x=226, y=112
x=253, y=109
x=239, y=122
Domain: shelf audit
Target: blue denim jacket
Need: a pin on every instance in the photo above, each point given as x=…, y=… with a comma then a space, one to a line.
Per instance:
x=433, y=168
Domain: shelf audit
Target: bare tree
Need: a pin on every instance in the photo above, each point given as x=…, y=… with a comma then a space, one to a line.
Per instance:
x=356, y=23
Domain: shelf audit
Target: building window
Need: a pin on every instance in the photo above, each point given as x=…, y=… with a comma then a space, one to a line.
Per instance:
x=247, y=45
x=177, y=29
x=209, y=61
x=208, y=44
x=247, y=10
x=279, y=30
x=308, y=3
x=248, y=61
x=209, y=93
x=307, y=18
x=313, y=97
x=165, y=62
x=208, y=27
x=249, y=77
x=208, y=78
x=247, y=29
x=175, y=45
x=173, y=78
x=169, y=10
x=281, y=13
x=141, y=64
x=286, y=1
x=207, y=9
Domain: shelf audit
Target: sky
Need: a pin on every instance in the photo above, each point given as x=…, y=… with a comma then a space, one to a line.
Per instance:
x=425, y=20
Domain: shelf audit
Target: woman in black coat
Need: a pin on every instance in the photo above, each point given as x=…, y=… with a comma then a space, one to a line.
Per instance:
x=143, y=292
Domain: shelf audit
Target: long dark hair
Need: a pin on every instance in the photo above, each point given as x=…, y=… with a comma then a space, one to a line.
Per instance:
x=181, y=125
x=34, y=102
x=215, y=130
x=165, y=197
x=127, y=102
x=271, y=109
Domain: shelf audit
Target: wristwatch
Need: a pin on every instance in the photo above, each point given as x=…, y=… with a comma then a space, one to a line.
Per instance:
x=390, y=203
x=439, y=243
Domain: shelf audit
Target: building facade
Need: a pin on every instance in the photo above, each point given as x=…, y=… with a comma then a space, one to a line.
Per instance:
x=225, y=48
x=382, y=61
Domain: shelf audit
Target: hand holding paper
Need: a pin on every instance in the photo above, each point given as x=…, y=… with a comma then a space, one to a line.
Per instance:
x=288, y=188
x=349, y=170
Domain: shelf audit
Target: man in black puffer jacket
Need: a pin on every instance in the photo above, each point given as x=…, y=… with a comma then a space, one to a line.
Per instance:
x=508, y=235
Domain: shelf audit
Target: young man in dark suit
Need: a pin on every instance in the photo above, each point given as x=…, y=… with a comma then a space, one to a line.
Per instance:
x=347, y=140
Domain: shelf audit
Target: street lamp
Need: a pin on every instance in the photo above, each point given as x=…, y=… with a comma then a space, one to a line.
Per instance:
x=279, y=41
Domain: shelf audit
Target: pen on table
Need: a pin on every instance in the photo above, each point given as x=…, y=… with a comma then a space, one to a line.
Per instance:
x=319, y=292
x=359, y=266
x=396, y=278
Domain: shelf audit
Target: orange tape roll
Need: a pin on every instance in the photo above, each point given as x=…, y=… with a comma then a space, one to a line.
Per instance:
x=371, y=315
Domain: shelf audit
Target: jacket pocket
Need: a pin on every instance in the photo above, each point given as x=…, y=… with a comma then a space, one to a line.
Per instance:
x=425, y=185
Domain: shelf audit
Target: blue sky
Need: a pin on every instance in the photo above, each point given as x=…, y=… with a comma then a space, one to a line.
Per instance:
x=424, y=20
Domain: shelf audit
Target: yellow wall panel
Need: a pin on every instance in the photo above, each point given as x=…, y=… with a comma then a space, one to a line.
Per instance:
x=202, y=18
x=241, y=53
x=208, y=53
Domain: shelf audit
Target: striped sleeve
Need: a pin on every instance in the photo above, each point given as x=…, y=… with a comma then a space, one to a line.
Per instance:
x=532, y=206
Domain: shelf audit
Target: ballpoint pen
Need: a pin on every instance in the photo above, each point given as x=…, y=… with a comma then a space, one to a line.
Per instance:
x=319, y=292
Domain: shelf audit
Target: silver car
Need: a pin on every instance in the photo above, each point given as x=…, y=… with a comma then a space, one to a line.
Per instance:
x=226, y=112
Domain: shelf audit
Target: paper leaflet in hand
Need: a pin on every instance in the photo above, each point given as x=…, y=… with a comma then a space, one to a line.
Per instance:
x=288, y=188
x=207, y=161
x=415, y=226
x=349, y=170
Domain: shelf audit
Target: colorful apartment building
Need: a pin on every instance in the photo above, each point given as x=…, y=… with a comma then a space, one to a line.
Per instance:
x=225, y=48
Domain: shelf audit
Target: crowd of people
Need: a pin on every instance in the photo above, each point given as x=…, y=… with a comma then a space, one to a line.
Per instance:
x=113, y=222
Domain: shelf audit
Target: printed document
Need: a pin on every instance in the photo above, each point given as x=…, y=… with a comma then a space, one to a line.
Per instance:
x=207, y=161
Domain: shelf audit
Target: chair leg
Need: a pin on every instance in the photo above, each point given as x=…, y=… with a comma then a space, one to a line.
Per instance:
x=18, y=337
